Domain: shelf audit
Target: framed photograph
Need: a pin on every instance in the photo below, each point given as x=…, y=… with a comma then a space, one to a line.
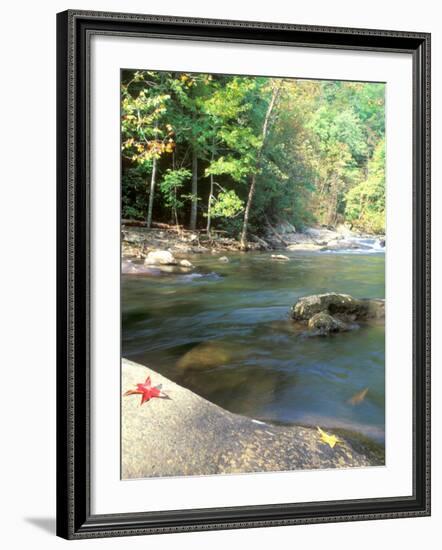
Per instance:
x=243, y=274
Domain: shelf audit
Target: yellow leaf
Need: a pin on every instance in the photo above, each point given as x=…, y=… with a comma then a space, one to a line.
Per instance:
x=327, y=438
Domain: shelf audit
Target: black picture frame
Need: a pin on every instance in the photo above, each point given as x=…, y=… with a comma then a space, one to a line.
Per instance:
x=74, y=518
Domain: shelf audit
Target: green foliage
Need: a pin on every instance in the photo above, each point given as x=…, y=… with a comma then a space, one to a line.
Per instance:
x=134, y=195
x=232, y=110
x=171, y=183
x=227, y=204
x=145, y=133
x=238, y=169
x=346, y=126
x=365, y=203
x=322, y=159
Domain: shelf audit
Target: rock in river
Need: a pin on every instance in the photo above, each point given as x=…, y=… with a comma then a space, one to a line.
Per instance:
x=323, y=323
x=186, y=263
x=212, y=353
x=160, y=257
x=128, y=267
x=341, y=305
x=332, y=312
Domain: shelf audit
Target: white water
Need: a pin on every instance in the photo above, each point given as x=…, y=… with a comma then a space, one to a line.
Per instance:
x=359, y=245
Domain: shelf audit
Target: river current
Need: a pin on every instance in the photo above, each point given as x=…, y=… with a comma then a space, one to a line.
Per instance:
x=224, y=331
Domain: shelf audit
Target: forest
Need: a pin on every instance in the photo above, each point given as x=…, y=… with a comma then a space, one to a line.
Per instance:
x=234, y=153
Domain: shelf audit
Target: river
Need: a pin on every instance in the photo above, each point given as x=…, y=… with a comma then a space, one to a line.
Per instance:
x=224, y=332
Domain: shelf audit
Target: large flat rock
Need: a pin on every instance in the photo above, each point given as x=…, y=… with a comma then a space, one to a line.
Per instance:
x=188, y=435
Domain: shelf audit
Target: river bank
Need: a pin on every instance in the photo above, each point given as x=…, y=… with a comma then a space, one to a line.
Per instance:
x=188, y=435
x=138, y=241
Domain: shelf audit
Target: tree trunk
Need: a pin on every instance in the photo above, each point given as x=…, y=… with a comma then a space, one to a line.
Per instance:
x=243, y=240
x=265, y=127
x=209, y=203
x=174, y=208
x=194, y=205
x=152, y=192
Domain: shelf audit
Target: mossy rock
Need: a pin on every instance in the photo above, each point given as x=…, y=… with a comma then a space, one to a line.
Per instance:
x=340, y=306
x=323, y=324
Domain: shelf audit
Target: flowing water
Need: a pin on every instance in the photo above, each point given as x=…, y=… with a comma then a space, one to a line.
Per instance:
x=224, y=332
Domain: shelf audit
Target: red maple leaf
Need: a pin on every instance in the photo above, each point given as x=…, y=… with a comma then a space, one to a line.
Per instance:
x=147, y=391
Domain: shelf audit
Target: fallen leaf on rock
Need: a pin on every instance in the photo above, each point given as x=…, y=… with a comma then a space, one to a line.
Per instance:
x=330, y=440
x=147, y=391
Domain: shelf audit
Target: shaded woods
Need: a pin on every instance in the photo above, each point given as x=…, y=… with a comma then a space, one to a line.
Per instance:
x=234, y=153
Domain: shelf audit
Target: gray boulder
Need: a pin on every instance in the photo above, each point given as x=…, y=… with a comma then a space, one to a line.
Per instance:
x=160, y=257
x=128, y=267
x=323, y=324
x=340, y=306
x=187, y=435
x=330, y=313
x=375, y=309
x=186, y=263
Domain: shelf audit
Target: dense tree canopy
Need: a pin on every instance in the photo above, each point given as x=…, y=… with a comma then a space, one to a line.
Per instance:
x=236, y=152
